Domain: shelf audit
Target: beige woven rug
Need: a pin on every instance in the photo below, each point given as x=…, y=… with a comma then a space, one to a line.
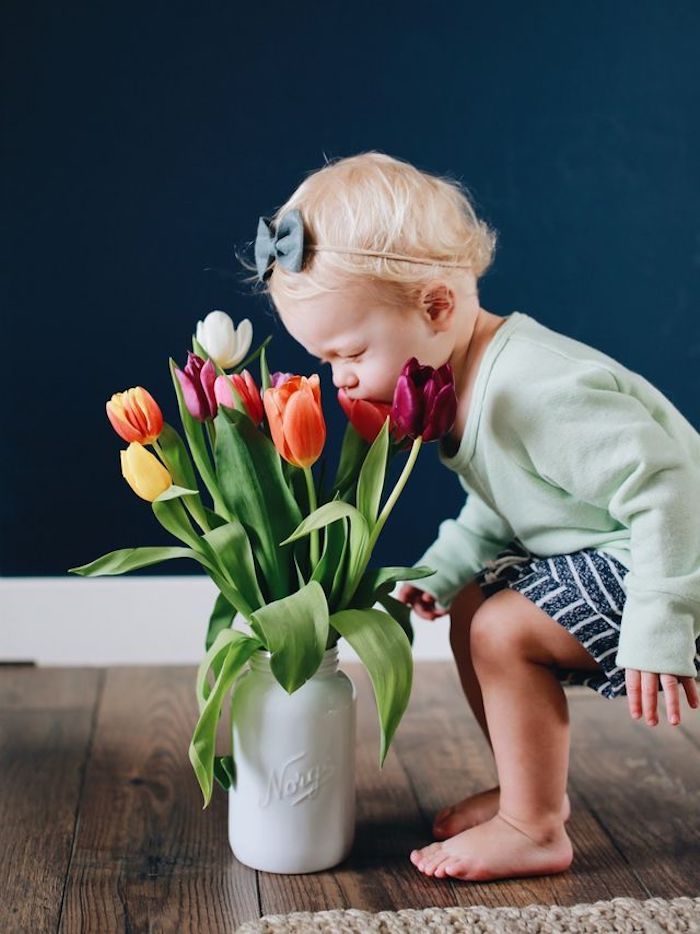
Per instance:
x=628, y=915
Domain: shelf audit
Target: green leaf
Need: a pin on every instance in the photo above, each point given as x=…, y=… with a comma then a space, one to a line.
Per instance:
x=214, y=520
x=352, y=455
x=385, y=651
x=231, y=545
x=357, y=545
x=264, y=371
x=173, y=517
x=238, y=648
x=254, y=490
x=177, y=459
x=371, y=480
x=174, y=492
x=295, y=630
x=225, y=771
x=331, y=561
x=131, y=559
x=323, y=516
x=375, y=580
x=401, y=612
x=199, y=349
x=222, y=616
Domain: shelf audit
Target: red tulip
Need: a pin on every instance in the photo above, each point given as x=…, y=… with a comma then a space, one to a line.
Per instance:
x=244, y=385
x=367, y=417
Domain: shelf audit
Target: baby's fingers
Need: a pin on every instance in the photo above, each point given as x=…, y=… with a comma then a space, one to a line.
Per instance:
x=670, y=686
x=633, y=683
x=691, y=691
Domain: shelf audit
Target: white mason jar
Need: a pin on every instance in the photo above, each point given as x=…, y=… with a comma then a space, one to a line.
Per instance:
x=293, y=807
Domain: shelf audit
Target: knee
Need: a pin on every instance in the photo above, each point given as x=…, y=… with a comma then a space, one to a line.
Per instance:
x=494, y=633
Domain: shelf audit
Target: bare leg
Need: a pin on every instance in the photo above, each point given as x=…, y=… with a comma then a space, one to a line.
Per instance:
x=474, y=809
x=463, y=608
x=515, y=647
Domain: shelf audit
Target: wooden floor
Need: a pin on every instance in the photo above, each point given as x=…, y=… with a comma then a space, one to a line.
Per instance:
x=102, y=827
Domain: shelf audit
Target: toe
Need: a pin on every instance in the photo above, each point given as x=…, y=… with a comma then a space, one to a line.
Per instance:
x=439, y=872
x=434, y=861
x=422, y=857
x=455, y=868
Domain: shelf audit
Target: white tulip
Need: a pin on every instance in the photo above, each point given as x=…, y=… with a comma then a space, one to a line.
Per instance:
x=225, y=343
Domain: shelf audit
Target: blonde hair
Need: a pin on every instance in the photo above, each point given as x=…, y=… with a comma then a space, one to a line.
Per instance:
x=372, y=201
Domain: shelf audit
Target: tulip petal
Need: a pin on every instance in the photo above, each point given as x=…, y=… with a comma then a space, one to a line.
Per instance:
x=304, y=428
x=443, y=414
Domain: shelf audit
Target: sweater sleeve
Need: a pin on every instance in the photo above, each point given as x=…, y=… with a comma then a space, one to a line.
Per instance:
x=462, y=546
x=603, y=446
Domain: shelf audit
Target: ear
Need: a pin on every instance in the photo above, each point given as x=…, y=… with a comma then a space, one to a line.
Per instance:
x=437, y=302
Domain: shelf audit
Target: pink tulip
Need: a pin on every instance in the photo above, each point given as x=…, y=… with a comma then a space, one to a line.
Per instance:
x=247, y=391
x=197, y=381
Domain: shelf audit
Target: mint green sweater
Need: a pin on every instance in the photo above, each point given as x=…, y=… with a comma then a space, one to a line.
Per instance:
x=565, y=448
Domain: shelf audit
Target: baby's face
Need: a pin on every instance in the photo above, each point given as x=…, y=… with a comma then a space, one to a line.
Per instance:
x=365, y=341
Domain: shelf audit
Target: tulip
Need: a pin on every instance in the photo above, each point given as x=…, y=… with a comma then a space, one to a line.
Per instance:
x=144, y=473
x=225, y=343
x=135, y=415
x=245, y=387
x=278, y=378
x=197, y=381
x=367, y=418
x=425, y=403
x=296, y=420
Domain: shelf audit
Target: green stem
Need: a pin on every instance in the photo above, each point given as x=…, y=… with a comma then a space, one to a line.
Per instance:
x=312, y=507
x=395, y=493
x=351, y=587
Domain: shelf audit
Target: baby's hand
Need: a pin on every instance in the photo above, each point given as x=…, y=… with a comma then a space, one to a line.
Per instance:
x=423, y=603
x=643, y=692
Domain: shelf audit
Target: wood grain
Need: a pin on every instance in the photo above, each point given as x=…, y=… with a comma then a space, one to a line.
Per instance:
x=46, y=726
x=103, y=828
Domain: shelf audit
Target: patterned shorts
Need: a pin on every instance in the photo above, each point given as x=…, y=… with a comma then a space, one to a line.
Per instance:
x=584, y=592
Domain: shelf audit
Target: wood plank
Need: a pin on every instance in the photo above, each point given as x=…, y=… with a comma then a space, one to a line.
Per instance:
x=29, y=687
x=46, y=721
x=643, y=784
x=447, y=758
x=378, y=874
x=146, y=856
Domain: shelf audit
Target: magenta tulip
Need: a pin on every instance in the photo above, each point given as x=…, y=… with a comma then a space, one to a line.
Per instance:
x=425, y=403
x=197, y=381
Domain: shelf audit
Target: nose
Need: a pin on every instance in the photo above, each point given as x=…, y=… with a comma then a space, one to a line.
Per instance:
x=343, y=378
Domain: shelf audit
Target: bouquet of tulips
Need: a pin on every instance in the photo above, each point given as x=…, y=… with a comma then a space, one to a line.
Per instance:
x=287, y=554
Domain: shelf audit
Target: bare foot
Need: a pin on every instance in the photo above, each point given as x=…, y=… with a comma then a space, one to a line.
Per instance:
x=501, y=848
x=476, y=809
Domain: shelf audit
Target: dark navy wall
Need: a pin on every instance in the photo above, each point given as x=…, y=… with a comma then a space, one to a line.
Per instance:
x=141, y=146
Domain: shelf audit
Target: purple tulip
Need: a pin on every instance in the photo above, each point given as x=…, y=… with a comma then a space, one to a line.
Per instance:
x=425, y=403
x=276, y=379
x=197, y=381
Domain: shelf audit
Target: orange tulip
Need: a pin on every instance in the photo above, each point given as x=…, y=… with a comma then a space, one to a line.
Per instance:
x=135, y=415
x=296, y=421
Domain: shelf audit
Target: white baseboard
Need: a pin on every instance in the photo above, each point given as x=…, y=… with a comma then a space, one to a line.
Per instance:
x=132, y=621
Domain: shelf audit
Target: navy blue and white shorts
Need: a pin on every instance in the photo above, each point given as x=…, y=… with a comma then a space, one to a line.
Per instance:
x=584, y=592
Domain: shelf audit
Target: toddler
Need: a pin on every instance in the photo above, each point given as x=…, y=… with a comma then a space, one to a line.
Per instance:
x=576, y=557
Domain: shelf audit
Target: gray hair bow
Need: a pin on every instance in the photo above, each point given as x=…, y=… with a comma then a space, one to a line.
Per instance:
x=286, y=245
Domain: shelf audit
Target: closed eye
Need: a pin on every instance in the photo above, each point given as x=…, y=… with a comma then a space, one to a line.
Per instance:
x=352, y=356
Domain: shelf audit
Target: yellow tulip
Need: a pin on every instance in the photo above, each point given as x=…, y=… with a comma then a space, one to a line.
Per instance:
x=144, y=472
